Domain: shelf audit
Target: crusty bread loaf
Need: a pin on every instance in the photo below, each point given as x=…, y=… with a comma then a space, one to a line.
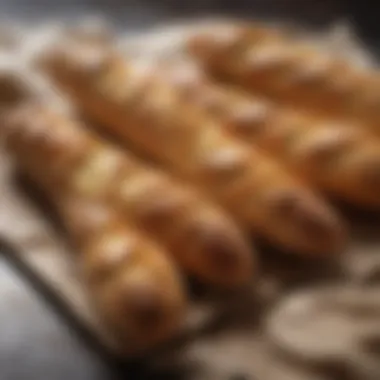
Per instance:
x=333, y=155
x=133, y=284
x=263, y=59
x=142, y=110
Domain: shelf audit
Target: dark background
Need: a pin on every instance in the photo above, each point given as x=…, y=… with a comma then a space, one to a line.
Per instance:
x=133, y=14
x=35, y=341
x=139, y=13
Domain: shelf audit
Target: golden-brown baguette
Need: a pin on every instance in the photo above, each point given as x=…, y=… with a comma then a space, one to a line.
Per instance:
x=142, y=110
x=289, y=70
x=62, y=154
x=334, y=155
x=132, y=284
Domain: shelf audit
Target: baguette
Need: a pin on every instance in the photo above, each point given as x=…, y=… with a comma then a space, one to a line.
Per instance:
x=62, y=154
x=132, y=283
x=133, y=286
x=140, y=109
x=335, y=156
x=291, y=71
